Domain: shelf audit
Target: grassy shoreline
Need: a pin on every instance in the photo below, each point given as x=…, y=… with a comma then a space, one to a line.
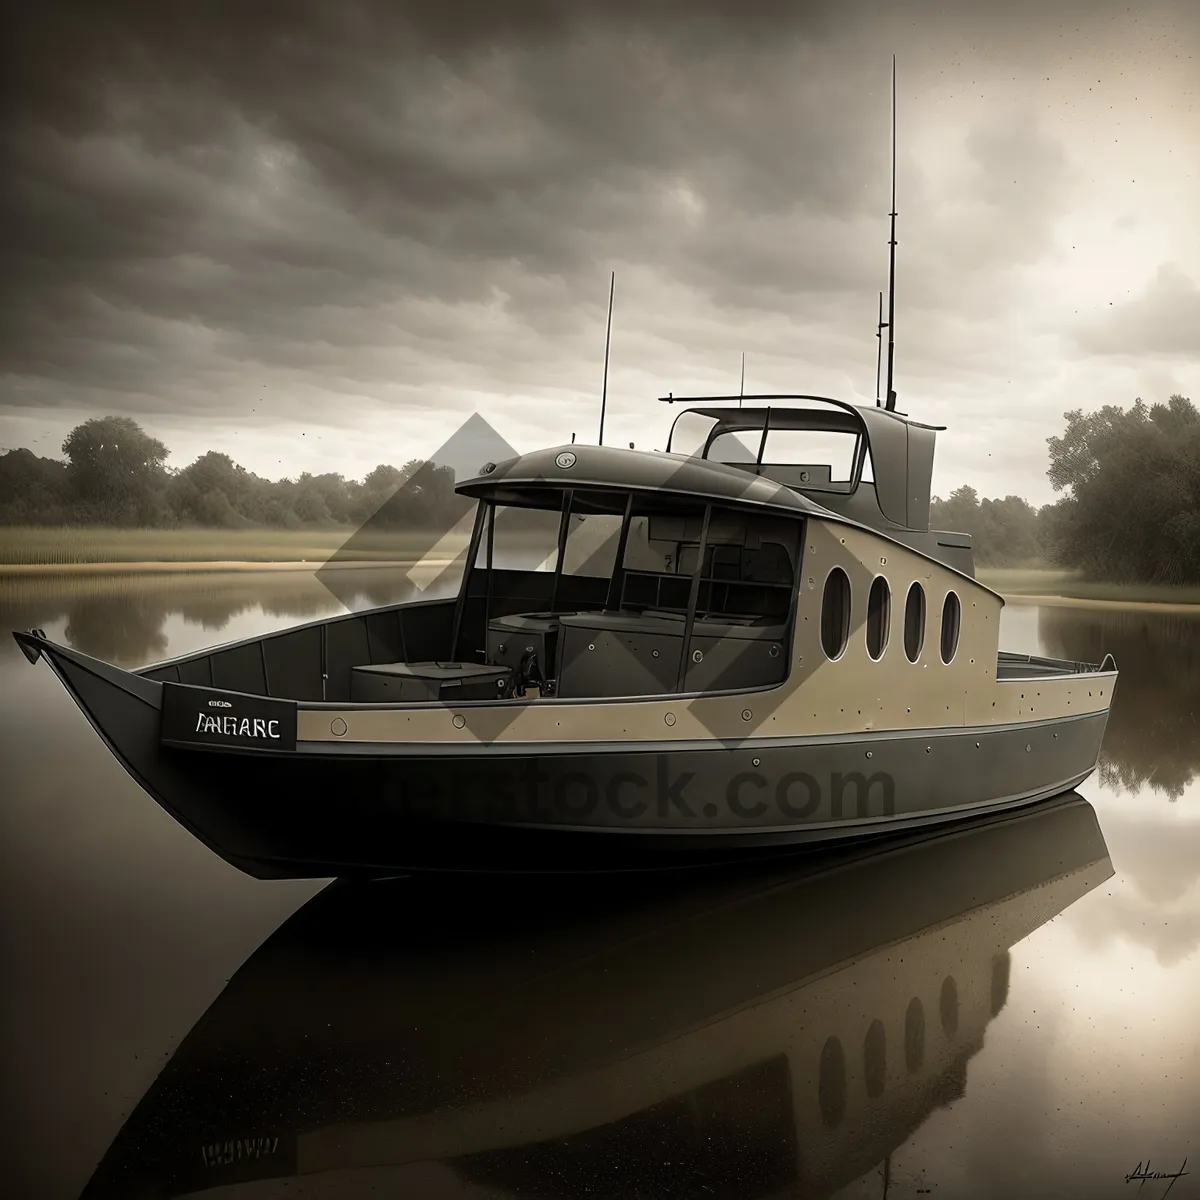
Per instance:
x=73, y=551
x=1046, y=585
x=27, y=546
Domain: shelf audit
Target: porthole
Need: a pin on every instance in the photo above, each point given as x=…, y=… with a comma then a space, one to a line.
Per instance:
x=879, y=617
x=914, y=622
x=949, y=1006
x=875, y=1059
x=951, y=624
x=1001, y=969
x=835, y=613
x=914, y=1035
x=831, y=1083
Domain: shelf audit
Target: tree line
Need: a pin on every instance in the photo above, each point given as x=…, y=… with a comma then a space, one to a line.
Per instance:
x=114, y=474
x=1130, y=509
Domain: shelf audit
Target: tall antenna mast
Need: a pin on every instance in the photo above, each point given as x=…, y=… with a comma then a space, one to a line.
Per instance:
x=607, y=342
x=742, y=383
x=891, y=393
x=879, y=348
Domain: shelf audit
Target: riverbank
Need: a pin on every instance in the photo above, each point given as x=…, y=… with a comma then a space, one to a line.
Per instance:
x=1045, y=586
x=213, y=567
x=27, y=546
x=37, y=551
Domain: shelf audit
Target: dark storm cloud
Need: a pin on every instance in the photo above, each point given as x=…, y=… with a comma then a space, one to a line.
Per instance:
x=197, y=186
x=341, y=194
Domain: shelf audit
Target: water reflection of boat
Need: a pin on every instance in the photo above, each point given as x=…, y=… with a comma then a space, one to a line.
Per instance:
x=767, y=1033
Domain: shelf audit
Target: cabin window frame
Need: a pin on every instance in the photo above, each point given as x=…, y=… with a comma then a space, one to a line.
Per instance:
x=859, y=431
x=915, y=588
x=846, y=622
x=885, y=628
x=951, y=595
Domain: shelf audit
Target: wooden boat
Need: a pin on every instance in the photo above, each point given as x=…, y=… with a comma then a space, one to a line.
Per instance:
x=717, y=648
x=771, y=1032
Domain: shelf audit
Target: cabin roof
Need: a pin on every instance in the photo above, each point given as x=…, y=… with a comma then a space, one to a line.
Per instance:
x=538, y=479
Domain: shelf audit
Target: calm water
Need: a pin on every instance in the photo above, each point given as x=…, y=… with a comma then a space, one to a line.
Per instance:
x=1013, y=1014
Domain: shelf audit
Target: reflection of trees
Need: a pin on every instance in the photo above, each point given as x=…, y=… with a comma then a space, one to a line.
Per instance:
x=120, y=631
x=121, y=619
x=1151, y=740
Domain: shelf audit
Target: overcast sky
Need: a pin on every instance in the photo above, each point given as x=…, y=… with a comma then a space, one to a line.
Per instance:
x=323, y=238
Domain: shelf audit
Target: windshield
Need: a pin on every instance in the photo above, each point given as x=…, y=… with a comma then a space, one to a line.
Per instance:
x=527, y=538
x=816, y=458
x=829, y=455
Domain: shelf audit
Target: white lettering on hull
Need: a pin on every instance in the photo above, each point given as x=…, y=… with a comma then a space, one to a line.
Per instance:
x=237, y=726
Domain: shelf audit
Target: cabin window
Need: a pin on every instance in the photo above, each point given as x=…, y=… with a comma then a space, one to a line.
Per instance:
x=592, y=543
x=521, y=539
x=879, y=615
x=835, y=613
x=820, y=459
x=951, y=623
x=914, y=622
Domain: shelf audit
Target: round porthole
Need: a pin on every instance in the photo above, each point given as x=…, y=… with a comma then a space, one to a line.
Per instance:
x=914, y=1035
x=875, y=1059
x=914, y=622
x=948, y=1006
x=879, y=616
x=835, y=613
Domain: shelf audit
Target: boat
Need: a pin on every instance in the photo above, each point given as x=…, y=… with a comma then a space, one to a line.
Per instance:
x=714, y=651
x=772, y=1031
x=748, y=639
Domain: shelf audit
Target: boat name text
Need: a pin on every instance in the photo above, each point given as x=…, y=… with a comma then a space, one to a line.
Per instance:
x=237, y=726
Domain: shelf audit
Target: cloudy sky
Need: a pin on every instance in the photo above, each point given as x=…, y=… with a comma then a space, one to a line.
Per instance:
x=318, y=236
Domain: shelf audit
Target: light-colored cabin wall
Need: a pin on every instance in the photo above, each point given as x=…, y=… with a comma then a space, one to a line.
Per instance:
x=854, y=692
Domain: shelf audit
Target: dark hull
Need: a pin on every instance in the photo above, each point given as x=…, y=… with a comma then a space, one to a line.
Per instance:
x=376, y=810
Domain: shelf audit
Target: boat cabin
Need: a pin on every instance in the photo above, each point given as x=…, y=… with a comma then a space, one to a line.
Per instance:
x=596, y=572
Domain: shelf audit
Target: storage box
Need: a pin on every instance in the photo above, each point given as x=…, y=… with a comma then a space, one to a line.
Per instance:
x=447, y=682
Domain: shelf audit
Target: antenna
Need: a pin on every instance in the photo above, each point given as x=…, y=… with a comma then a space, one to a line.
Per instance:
x=879, y=327
x=742, y=383
x=607, y=342
x=891, y=394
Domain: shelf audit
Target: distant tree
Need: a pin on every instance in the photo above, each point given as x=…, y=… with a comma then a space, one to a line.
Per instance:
x=115, y=470
x=1003, y=533
x=33, y=490
x=1133, y=478
x=213, y=490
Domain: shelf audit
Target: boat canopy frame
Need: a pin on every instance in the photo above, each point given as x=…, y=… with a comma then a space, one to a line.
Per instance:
x=901, y=449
